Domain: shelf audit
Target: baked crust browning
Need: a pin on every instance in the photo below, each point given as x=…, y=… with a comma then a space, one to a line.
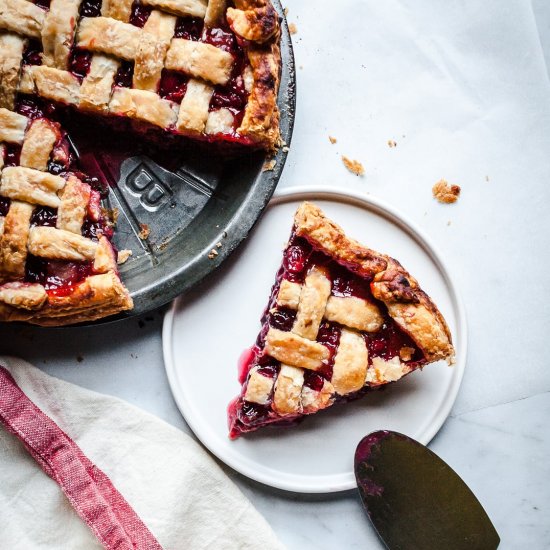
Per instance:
x=312, y=224
x=413, y=310
x=257, y=23
x=95, y=297
x=70, y=293
x=110, y=38
x=410, y=307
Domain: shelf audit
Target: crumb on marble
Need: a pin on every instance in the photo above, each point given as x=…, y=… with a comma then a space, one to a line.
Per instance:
x=354, y=166
x=445, y=193
x=333, y=140
x=392, y=143
x=292, y=28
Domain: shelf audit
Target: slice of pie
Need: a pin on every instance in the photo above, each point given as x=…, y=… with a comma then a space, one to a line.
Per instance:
x=341, y=319
x=205, y=69
x=57, y=264
x=202, y=69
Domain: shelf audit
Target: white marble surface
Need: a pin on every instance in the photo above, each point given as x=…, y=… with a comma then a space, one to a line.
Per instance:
x=465, y=93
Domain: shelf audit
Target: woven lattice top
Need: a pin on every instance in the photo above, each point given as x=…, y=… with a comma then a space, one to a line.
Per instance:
x=42, y=220
x=341, y=319
x=174, y=64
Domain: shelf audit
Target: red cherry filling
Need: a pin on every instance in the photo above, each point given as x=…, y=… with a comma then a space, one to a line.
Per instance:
x=189, y=28
x=79, y=63
x=12, y=153
x=282, y=319
x=31, y=55
x=90, y=8
x=222, y=38
x=34, y=107
x=61, y=277
x=140, y=14
x=173, y=85
x=124, y=75
x=4, y=205
x=389, y=340
x=44, y=216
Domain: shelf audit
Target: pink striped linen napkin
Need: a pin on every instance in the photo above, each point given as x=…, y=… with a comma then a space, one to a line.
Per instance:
x=80, y=470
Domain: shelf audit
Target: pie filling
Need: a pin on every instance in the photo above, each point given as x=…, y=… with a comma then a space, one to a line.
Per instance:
x=228, y=101
x=387, y=344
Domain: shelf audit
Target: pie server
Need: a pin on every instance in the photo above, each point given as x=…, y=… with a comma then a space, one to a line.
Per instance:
x=415, y=500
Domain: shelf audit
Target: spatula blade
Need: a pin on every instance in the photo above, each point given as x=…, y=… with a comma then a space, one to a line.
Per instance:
x=415, y=500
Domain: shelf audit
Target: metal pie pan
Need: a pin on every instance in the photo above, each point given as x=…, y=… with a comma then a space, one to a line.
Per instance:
x=182, y=223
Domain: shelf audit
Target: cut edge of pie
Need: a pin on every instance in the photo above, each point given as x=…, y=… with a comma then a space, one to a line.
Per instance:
x=57, y=263
x=342, y=319
x=205, y=69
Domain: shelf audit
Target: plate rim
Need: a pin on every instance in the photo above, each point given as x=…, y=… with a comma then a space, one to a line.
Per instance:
x=340, y=482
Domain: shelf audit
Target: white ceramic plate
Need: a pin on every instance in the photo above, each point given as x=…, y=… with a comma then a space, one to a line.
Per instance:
x=205, y=334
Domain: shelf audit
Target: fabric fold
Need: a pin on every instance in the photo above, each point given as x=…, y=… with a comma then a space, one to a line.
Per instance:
x=136, y=481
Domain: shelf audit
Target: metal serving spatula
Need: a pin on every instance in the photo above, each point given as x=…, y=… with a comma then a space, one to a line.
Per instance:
x=415, y=501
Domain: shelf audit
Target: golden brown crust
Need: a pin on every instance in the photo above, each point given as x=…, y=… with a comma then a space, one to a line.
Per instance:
x=256, y=25
x=311, y=223
x=96, y=297
x=258, y=22
x=110, y=37
x=410, y=307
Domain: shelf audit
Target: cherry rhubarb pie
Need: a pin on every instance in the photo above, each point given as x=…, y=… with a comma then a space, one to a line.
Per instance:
x=206, y=69
x=202, y=69
x=342, y=319
x=57, y=264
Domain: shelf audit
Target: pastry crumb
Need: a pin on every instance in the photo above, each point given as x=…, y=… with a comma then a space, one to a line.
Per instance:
x=392, y=143
x=445, y=193
x=292, y=28
x=218, y=245
x=269, y=165
x=354, y=166
x=145, y=231
x=406, y=353
x=285, y=11
x=213, y=253
x=333, y=140
x=123, y=256
x=285, y=149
